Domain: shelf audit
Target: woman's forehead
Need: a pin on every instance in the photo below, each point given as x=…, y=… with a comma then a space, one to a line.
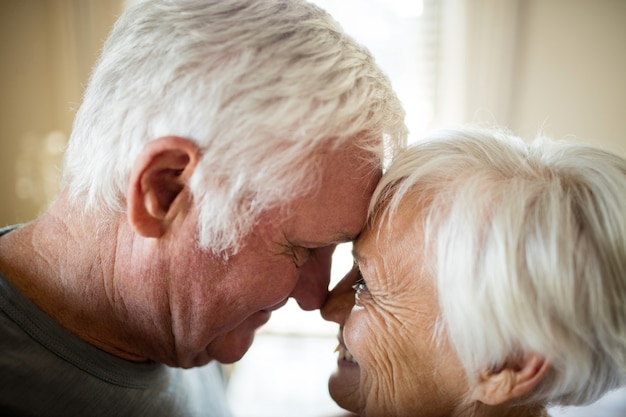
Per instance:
x=390, y=244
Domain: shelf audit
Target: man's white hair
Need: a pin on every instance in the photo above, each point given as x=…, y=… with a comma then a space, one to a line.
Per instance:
x=527, y=245
x=259, y=85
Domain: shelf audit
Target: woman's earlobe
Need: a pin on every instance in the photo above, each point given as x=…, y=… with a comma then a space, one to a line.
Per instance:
x=158, y=179
x=512, y=381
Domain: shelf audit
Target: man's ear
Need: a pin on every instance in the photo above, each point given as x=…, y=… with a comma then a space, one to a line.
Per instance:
x=157, y=183
x=512, y=381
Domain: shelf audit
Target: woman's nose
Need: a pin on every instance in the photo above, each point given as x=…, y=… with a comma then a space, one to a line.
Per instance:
x=340, y=300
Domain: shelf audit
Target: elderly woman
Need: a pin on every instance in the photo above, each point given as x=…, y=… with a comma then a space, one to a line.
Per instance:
x=490, y=281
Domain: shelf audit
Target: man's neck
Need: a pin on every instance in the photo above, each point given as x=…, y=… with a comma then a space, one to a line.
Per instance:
x=69, y=275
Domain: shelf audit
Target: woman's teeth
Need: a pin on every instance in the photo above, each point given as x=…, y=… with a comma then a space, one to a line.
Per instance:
x=344, y=354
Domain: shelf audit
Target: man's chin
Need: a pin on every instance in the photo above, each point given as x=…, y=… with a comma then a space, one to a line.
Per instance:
x=230, y=358
x=231, y=347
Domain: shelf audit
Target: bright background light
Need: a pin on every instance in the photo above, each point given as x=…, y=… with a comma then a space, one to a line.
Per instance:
x=285, y=372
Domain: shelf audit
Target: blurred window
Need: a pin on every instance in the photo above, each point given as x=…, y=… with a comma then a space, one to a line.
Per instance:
x=285, y=373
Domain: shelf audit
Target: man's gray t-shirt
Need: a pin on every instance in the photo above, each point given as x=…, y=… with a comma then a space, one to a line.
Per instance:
x=46, y=371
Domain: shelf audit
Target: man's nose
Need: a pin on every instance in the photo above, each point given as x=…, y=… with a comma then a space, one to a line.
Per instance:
x=340, y=300
x=311, y=290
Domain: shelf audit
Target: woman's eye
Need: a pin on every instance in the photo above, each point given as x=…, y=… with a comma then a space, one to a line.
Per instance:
x=360, y=285
x=360, y=288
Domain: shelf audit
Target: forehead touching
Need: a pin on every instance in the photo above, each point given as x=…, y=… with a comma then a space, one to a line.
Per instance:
x=336, y=208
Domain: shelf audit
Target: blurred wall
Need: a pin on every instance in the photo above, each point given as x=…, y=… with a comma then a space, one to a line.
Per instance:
x=570, y=75
x=47, y=48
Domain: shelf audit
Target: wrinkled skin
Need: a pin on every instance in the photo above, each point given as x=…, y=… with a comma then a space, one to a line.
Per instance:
x=388, y=326
x=159, y=296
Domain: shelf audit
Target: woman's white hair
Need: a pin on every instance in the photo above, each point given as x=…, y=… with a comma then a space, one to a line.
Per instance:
x=527, y=244
x=259, y=85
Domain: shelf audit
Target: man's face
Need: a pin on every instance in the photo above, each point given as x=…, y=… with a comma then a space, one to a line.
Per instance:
x=288, y=254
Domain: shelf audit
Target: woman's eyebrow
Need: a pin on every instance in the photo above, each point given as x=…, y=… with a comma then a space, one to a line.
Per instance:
x=357, y=255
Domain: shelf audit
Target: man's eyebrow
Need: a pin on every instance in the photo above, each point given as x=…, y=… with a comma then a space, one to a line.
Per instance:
x=346, y=237
x=342, y=237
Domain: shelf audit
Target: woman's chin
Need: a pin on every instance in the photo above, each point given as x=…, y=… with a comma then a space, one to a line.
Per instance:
x=343, y=386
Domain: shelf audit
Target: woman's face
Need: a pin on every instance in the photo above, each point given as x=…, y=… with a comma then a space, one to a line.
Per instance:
x=389, y=361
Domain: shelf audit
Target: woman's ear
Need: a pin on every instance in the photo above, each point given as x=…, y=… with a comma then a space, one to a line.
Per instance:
x=512, y=381
x=157, y=181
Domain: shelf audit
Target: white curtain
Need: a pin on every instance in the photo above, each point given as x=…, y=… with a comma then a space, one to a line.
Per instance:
x=479, y=40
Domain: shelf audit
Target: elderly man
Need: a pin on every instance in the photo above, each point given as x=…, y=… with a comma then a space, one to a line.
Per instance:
x=222, y=150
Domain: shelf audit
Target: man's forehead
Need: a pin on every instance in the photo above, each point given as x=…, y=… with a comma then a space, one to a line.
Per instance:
x=335, y=210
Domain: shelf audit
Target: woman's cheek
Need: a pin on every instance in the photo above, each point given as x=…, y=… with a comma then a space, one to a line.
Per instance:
x=378, y=384
x=359, y=333
x=370, y=340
